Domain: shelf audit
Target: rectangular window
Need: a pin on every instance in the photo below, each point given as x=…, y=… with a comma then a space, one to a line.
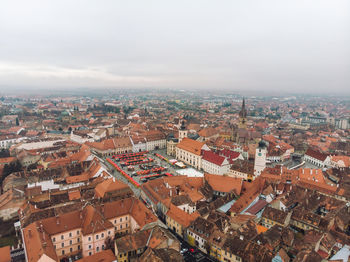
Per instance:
x=62, y=244
x=121, y=226
x=53, y=239
x=70, y=242
x=89, y=238
x=71, y=249
x=102, y=235
x=70, y=234
x=96, y=236
x=121, y=219
x=77, y=232
x=78, y=247
x=62, y=237
x=62, y=252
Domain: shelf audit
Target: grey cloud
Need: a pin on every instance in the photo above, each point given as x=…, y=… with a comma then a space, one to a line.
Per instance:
x=259, y=45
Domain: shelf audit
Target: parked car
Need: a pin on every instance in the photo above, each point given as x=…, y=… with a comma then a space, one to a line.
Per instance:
x=183, y=250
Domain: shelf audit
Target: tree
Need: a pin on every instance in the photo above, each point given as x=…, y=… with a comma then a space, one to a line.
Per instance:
x=17, y=121
x=9, y=169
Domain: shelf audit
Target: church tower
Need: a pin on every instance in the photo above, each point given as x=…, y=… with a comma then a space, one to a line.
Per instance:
x=243, y=116
x=260, y=158
x=182, y=131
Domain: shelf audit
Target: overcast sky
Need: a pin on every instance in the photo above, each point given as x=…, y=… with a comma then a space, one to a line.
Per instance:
x=294, y=45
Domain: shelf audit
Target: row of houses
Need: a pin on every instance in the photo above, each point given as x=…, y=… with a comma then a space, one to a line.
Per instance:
x=147, y=141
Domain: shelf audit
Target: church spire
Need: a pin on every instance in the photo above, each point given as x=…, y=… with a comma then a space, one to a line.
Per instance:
x=243, y=112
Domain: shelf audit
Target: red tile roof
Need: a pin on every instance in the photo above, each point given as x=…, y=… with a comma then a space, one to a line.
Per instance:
x=224, y=183
x=213, y=158
x=103, y=256
x=180, y=216
x=5, y=254
x=191, y=145
x=316, y=154
x=109, y=185
x=35, y=250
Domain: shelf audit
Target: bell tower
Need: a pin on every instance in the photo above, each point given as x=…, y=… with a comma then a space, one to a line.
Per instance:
x=243, y=116
x=182, y=131
x=260, y=158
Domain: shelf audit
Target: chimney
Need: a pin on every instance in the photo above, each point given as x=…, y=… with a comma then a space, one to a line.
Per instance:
x=41, y=227
x=58, y=220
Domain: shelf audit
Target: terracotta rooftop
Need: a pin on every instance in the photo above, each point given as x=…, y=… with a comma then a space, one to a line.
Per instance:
x=191, y=146
x=111, y=143
x=213, y=158
x=103, y=256
x=141, y=214
x=73, y=195
x=255, y=188
x=109, y=185
x=36, y=249
x=275, y=214
x=208, y=132
x=180, y=216
x=5, y=254
x=316, y=154
x=224, y=184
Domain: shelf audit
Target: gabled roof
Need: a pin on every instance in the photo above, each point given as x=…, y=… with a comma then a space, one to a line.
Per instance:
x=162, y=254
x=103, y=256
x=141, y=214
x=36, y=249
x=255, y=188
x=224, y=183
x=133, y=242
x=275, y=214
x=111, y=143
x=93, y=221
x=191, y=146
x=316, y=154
x=213, y=158
x=208, y=132
x=109, y=185
x=180, y=216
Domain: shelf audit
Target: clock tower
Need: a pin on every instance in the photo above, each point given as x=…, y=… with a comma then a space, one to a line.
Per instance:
x=260, y=158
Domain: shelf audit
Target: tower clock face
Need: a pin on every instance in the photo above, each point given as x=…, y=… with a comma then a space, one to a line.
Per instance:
x=259, y=154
